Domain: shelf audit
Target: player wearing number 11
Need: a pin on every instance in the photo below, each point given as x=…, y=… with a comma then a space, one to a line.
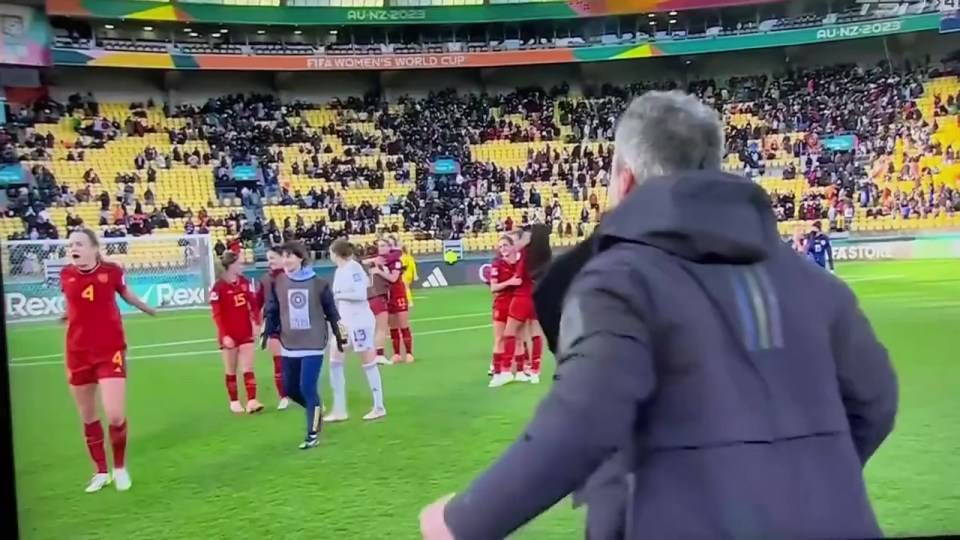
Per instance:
x=96, y=351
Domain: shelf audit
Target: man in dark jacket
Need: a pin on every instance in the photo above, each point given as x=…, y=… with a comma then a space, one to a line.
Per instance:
x=711, y=382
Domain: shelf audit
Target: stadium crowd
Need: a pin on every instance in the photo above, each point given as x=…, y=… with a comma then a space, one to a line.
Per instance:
x=777, y=131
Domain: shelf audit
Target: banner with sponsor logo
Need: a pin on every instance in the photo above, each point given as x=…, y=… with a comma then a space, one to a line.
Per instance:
x=26, y=36
x=42, y=299
x=597, y=53
x=219, y=13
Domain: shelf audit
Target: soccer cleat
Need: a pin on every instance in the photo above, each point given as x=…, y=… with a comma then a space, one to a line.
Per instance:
x=501, y=380
x=98, y=482
x=384, y=361
x=397, y=359
x=121, y=479
x=284, y=403
x=335, y=417
x=409, y=358
x=375, y=414
x=236, y=407
x=310, y=442
x=534, y=378
x=254, y=406
x=522, y=377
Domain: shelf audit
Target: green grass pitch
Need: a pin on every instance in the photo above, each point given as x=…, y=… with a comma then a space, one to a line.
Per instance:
x=201, y=472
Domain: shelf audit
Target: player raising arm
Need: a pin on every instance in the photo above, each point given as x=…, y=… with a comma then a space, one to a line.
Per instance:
x=350, y=284
x=521, y=312
x=301, y=314
x=237, y=318
x=377, y=298
x=502, y=283
x=397, y=305
x=96, y=350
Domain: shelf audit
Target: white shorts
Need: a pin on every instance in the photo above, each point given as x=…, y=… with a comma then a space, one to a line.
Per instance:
x=360, y=335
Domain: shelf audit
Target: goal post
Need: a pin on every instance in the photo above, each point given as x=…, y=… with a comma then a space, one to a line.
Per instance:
x=165, y=270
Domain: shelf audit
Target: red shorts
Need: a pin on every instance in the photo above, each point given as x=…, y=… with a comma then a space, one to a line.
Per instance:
x=85, y=367
x=521, y=309
x=501, y=309
x=397, y=304
x=240, y=338
x=378, y=304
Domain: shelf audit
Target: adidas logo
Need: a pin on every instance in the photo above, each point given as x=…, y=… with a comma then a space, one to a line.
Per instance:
x=435, y=279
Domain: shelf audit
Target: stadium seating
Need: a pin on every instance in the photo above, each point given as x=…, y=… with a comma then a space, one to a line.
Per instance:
x=193, y=188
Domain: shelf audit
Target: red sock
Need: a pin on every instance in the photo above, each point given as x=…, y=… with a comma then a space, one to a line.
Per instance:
x=118, y=442
x=537, y=354
x=278, y=375
x=497, y=363
x=395, y=340
x=250, y=384
x=509, y=345
x=231, y=381
x=380, y=351
x=521, y=362
x=407, y=339
x=93, y=433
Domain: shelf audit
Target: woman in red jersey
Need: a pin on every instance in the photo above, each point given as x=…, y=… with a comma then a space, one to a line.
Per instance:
x=96, y=351
x=521, y=314
x=502, y=284
x=264, y=292
x=236, y=315
x=389, y=266
x=377, y=296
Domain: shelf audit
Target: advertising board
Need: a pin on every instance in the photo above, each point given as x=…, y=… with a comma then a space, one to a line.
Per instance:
x=42, y=299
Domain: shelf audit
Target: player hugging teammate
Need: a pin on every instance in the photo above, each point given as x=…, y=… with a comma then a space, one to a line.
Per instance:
x=96, y=351
x=387, y=266
x=514, y=317
x=237, y=317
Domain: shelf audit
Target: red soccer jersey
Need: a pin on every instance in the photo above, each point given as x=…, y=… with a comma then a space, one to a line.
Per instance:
x=93, y=316
x=234, y=308
x=261, y=294
x=521, y=271
x=394, y=263
x=501, y=270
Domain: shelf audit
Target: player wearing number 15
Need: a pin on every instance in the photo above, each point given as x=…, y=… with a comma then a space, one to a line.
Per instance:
x=237, y=317
x=96, y=351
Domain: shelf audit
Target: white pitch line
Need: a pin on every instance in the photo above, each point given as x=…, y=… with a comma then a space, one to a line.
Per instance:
x=20, y=362
x=141, y=320
x=195, y=341
x=871, y=278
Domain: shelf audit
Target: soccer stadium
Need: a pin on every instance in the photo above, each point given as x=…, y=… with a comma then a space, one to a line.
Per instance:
x=181, y=130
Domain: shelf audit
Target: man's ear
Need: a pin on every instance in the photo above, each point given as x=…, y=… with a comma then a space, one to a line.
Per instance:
x=626, y=182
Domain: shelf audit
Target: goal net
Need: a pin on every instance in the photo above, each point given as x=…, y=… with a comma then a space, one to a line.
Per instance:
x=164, y=270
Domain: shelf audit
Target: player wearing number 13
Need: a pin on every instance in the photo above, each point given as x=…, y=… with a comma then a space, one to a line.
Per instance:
x=96, y=351
x=350, y=284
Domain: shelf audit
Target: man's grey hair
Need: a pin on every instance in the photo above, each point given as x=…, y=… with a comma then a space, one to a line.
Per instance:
x=663, y=133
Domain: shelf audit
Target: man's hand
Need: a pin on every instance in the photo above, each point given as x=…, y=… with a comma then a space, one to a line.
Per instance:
x=432, y=524
x=228, y=343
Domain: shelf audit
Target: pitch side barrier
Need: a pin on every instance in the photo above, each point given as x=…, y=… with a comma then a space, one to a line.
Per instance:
x=474, y=269
x=185, y=285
